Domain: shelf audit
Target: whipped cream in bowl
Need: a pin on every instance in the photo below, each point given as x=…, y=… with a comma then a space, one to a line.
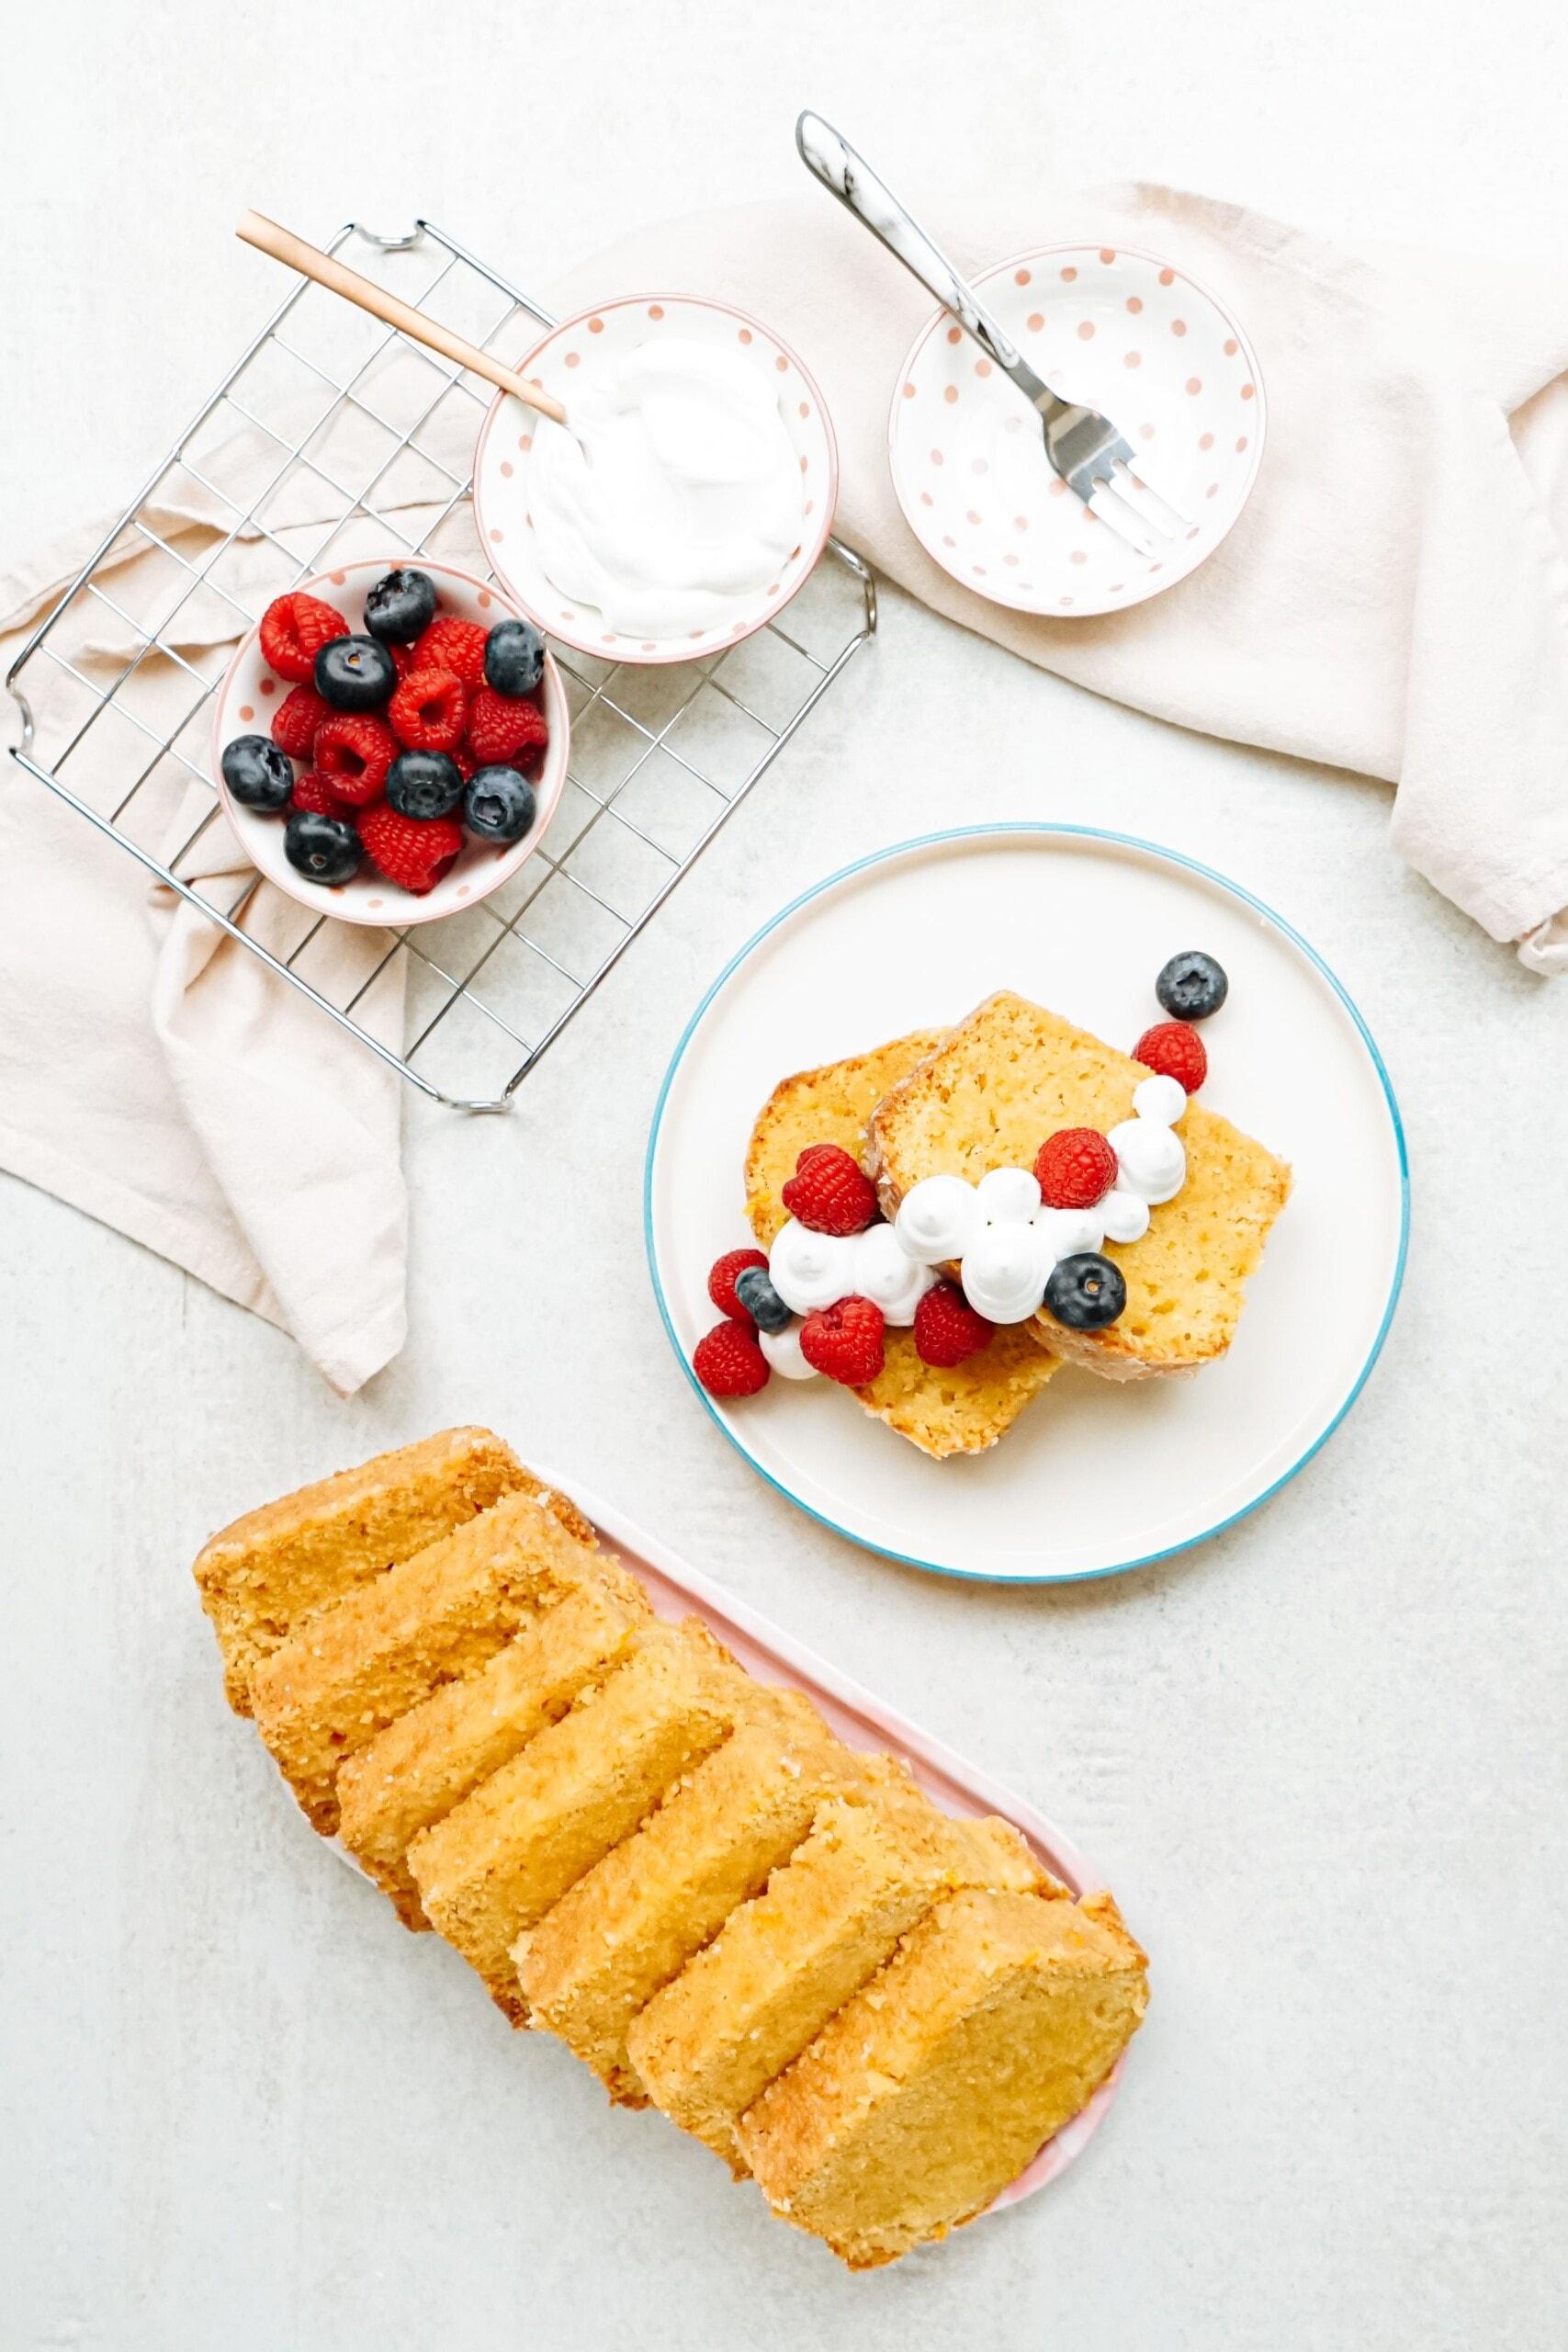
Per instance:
x=686, y=498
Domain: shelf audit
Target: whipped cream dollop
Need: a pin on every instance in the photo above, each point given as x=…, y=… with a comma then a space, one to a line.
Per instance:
x=1001, y=1235
x=673, y=492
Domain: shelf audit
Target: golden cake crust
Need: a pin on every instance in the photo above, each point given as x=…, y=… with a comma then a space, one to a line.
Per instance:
x=994, y=2021
x=1011, y=1074
x=962, y=1410
x=355, y=1667
x=782, y=1963
x=421, y=1766
x=264, y=1574
x=502, y=1858
x=629, y=1926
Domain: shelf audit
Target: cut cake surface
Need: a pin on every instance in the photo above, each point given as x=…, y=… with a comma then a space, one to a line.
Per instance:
x=997, y=2020
x=1009, y=1075
x=708, y=2044
x=355, y=1667
x=961, y=1410
x=628, y=1926
x=266, y=1573
x=423, y=1765
x=499, y=1859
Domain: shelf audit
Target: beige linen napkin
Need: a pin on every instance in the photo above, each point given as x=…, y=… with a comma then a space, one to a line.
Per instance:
x=1392, y=601
x=1395, y=600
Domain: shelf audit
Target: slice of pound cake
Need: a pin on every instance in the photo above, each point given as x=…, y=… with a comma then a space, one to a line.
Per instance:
x=354, y=1668
x=265, y=1574
x=498, y=1861
x=998, y=2020
x=624, y=1931
x=1012, y=1075
x=708, y=2044
x=413, y=1773
x=962, y=1408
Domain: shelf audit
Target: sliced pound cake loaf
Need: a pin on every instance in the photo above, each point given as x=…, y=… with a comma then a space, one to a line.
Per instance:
x=998, y=2018
x=961, y=1409
x=736, y=2015
x=1011, y=1075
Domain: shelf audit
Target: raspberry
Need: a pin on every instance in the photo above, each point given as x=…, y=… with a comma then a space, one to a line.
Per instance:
x=412, y=854
x=355, y=750
x=314, y=791
x=457, y=646
x=1075, y=1168
x=405, y=658
x=829, y=1192
x=947, y=1330
x=296, y=719
x=845, y=1342
x=428, y=709
x=721, y=1282
x=1174, y=1050
x=293, y=631
x=729, y=1362
x=501, y=728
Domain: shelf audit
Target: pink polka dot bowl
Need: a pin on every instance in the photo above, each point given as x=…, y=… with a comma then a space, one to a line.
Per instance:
x=561, y=360
x=1123, y=332
x=251, y=693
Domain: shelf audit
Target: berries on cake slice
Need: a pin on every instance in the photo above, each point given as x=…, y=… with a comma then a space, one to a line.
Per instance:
x=845, y=1342
x=722, y=1276
x=1075, y=1168
x=1173, y=1049
x=947, y=1330
x=829, y=1193
x=1086, y=1291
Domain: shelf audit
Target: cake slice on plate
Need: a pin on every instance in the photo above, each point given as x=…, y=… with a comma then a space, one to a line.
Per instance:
x=959, y=1409
x=998, y=2018
x=1013, y=1074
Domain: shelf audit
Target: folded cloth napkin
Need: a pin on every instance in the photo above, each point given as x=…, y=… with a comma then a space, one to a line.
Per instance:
x=1391, y=601
x=151, y=1071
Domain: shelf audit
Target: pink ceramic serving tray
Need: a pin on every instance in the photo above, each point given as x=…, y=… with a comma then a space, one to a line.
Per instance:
x=677, y=1591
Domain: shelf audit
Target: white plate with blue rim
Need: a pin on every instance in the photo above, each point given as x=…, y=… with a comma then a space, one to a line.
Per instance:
x=1095, y=1477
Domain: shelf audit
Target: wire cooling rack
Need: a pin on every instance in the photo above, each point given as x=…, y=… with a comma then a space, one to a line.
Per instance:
x=660, y=758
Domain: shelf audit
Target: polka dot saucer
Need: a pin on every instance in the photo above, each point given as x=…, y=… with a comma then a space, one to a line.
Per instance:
x=1122, y=332
x=500, y=468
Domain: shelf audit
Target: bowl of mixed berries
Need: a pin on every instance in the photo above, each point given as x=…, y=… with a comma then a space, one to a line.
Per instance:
x=390, y=744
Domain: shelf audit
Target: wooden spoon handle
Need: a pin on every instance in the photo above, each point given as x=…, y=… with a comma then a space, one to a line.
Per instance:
x=284, y=247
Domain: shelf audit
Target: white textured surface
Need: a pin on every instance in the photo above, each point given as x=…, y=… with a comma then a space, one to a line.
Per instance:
x=1320, y=1761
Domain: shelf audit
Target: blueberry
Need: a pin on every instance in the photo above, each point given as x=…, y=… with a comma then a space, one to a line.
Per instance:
x=401, y=605
x=514, y=657
x=761, y=1300
x=1086, y=1291
x=1192, y=986
x=499, y=805
x=324, y=849
x=355, y=674
x=423, y=784
x=257, y=774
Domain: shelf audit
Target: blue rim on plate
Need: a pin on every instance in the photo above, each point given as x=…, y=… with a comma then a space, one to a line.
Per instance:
x=1064, y=833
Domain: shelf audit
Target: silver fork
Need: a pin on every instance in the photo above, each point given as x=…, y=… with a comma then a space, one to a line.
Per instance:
x=1085, y=449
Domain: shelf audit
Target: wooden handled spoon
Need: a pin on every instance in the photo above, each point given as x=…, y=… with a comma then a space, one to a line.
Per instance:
x=284, y=247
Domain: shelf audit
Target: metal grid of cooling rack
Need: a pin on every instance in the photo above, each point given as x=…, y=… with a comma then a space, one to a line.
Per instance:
x=116, y=724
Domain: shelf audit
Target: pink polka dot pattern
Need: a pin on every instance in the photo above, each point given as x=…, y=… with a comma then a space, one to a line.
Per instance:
x=595, y=326
x=1086, y=329
x=247, y=711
